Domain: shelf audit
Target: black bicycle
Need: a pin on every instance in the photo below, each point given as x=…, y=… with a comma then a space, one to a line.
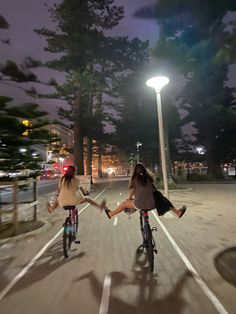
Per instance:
x=148, y=244
x=70, y=229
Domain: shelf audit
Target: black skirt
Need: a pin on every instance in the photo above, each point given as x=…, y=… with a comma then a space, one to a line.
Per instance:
x=162, y=204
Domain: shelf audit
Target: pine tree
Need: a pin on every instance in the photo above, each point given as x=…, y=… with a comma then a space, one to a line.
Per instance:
x=90, y=59
x=19, y=140
x=195, y=42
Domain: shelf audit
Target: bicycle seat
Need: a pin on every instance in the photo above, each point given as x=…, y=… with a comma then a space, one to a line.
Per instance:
x=68, y=207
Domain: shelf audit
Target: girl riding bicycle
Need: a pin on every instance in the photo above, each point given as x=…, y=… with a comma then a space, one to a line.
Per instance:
x=71, y=192
x=141, y=188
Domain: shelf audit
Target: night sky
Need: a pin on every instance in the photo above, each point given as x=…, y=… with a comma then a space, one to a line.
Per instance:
x=25, y=15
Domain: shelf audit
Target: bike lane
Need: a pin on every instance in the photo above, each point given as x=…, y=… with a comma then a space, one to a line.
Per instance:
x=104, y=275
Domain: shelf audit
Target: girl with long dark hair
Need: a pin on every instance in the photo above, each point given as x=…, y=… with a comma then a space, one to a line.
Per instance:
x=141, y=193
x=71, y=192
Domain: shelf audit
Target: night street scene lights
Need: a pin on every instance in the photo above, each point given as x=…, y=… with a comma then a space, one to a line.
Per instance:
x=200, y=150
x=158, y=82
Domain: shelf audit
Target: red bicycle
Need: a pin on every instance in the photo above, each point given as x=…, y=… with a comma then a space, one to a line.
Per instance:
x=70, y=229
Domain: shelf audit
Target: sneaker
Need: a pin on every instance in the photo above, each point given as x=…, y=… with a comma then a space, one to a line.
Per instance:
x=48, y=206
x=182, y=210
x=107, y=212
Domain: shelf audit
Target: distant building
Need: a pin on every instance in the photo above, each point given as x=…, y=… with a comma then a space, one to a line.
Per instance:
x=58, y=154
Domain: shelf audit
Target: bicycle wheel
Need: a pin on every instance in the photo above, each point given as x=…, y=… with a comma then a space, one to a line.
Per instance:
x=76, y=224
x=67, y=237
x=149, y=247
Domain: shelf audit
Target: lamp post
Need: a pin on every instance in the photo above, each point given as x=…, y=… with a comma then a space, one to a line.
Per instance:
x=138, y=144
x=61, y=161
x=157, y=83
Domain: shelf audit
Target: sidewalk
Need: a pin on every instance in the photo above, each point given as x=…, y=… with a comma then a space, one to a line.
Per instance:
x=202, y=229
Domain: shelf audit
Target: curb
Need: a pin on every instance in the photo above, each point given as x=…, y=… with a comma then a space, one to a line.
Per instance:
x=46, y=225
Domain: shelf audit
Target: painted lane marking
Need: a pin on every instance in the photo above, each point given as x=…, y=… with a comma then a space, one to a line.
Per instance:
x=211, y=296
x=37, y=256
x=104, y=305
x=25, y=269
x=115, y=221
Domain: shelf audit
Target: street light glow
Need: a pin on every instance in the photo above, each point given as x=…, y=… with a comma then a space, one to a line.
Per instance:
x=200, y=150
x=157, y=82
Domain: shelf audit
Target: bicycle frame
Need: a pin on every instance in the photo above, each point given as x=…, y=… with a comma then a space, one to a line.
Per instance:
x=148, y=240
x=70, y=229
x=144, y=219
x=73, y=218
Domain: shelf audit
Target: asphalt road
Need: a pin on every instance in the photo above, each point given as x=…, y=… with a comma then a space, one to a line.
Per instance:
x=104, y=274
x=43, y=187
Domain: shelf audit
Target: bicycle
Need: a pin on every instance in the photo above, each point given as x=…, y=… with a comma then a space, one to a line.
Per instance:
x=148, y=241
x=70, y=229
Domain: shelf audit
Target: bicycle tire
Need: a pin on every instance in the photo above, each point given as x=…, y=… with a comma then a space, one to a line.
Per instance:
x=149, y=248
x=67, y=238
x=76, y=226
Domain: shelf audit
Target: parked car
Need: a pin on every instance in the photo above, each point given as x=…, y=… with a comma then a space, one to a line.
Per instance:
x=47, y=175
x=57, y=174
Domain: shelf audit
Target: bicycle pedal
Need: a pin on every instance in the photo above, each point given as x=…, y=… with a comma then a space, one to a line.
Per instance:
x=155, y=251
x=154, y=228
x=77, y=241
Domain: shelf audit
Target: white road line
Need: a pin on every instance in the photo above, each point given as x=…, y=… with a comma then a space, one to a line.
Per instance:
x=40, y=253
x=105, y=295
x=24, y=270
x=115, y=221
x=211, y=296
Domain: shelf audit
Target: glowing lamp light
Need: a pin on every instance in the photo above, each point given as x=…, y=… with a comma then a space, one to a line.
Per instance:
x=157, y=82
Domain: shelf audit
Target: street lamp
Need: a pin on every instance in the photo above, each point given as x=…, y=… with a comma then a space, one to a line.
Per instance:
x=138, y=144
x=200, y=150
x=61, y=161
x=157, y=83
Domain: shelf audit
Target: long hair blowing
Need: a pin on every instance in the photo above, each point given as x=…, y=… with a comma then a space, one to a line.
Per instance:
x=141, y=174
x=69, y=175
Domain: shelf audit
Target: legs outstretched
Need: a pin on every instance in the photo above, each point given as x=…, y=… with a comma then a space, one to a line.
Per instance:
x=55, y=204
x=179, y=212
x=93, y=203
x=130, y=204
x=119, y=209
